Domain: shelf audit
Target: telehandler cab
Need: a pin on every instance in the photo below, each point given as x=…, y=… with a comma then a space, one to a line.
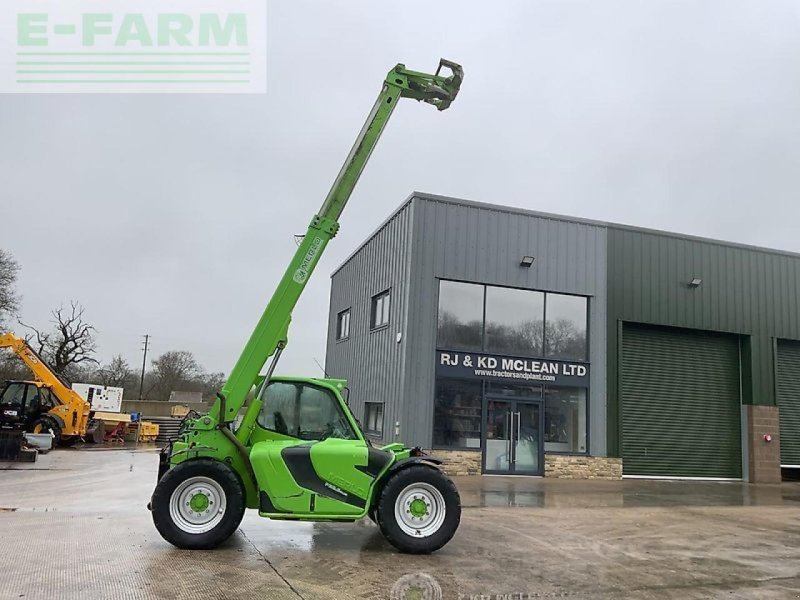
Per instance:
x=298, y=452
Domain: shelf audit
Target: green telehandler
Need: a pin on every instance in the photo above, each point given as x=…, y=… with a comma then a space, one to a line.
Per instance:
x=298, y=453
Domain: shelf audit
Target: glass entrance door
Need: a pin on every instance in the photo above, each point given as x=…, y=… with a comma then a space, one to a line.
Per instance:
x=514, y=437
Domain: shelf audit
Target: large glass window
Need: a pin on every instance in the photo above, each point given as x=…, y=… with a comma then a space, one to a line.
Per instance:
x=565, y=331
x=460, y=316
x=512, y=390
x=565, y=419
x=457, y=414
x=303, y=411
x=514, y=321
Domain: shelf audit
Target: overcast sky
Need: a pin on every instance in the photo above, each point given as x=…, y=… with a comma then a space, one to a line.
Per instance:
x=173, y=214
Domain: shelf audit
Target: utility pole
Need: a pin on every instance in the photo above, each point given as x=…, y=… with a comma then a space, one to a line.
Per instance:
x=144, y=363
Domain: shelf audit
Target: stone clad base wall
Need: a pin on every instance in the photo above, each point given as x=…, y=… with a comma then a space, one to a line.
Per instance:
x=466, y=462
x=459, y=462
x=582, y=467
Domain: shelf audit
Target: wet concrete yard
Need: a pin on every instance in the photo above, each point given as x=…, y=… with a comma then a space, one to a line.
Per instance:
x=74, y=525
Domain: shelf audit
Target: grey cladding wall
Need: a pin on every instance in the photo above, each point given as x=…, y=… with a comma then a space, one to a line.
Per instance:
x=372, y=361
x=467, y=241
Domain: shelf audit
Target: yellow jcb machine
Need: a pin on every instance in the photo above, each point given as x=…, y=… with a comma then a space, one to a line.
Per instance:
x=45, y=404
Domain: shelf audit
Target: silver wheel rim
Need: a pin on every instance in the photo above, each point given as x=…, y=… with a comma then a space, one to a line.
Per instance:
x=197, y=505
x=407, y=510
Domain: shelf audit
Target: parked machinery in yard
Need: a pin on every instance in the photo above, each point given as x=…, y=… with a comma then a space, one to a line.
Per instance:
x=45, y=404
x=48, y=403
x=298, y=452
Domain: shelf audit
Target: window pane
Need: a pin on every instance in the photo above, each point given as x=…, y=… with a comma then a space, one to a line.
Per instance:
x=320, y=416
x=565, y=420
x=385, y=318
x=514, y=321
x=279, y=408
x=379, y=313
x=460, y=316
x=303, y=411
x=343, y=325
x=566, y=327
x=373, y=417
x=14, y=395
x=457, y=414
x=514, y=390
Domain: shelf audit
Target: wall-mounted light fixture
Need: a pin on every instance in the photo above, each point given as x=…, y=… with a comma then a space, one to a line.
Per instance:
x=695, y=282
x=527, y=262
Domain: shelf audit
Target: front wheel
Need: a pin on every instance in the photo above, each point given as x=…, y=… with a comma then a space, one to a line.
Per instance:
x=198, y=504
x=419, y=509
x=45, y=424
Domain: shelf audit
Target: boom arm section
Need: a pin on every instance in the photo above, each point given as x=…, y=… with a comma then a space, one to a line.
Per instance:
x=270, y=334
x=35, y=363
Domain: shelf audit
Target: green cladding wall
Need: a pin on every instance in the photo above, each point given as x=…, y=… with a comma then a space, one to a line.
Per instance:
x=746, y=291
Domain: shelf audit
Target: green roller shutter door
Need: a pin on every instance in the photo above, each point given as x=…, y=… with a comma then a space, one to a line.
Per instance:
x=788, y=392
x=680, y=395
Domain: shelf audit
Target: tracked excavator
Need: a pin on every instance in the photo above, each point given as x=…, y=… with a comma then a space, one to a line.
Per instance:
x=298, y=452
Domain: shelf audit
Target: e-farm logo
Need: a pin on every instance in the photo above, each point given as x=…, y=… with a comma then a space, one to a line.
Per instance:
x=194, y=46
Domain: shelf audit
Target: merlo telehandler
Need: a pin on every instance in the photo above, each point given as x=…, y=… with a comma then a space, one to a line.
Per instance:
x=298, y=452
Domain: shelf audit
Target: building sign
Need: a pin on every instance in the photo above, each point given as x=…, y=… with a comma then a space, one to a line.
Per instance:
x=487, y=366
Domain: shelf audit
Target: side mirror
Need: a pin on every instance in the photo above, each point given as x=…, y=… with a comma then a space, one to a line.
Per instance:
x=347, y=396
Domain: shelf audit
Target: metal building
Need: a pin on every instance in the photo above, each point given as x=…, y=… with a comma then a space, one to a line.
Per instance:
x=519, y=342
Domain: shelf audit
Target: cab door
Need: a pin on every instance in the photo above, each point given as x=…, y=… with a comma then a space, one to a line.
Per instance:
x=311, y=459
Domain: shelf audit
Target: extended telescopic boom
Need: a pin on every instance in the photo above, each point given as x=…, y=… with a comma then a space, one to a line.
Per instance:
x=270, y=335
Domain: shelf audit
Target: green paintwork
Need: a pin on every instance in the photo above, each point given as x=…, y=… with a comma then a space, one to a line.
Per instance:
x=418, y=508
x=199, y=502
x=674, y=383
x=746, y=291
x=787, y=384
x=260, y=465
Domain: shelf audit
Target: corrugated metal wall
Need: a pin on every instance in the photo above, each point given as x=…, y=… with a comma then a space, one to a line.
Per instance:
x=744, y=290
x=467, y=241
x=372, y=361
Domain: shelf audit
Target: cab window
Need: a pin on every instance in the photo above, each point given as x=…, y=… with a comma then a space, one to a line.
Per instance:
x=303, y=411
x=48, y=400
x=13, y=395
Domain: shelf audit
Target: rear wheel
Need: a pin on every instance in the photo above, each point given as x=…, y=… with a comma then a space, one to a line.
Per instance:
x=198, y=504
x=95, y=432
x=45, y=424
x=419, y=510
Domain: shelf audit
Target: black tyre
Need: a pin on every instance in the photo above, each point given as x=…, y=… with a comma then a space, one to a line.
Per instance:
x=66, y=442
x=95, y=432
x=419, y=509
x=198, y=504
x=47, y=423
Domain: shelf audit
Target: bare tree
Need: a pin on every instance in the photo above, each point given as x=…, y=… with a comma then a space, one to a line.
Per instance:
x=9, y=301
x=71, y=342
x=175, y=370
x=117, y=373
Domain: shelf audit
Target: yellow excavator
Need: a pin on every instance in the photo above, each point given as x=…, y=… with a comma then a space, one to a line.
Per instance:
x=45, y=404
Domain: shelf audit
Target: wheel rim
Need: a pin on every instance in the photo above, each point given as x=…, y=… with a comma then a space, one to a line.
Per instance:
x=38, y=428
x=197, y=505
x=420, y=510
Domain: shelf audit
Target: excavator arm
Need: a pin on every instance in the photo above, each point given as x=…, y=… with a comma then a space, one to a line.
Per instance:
x=270, y=335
